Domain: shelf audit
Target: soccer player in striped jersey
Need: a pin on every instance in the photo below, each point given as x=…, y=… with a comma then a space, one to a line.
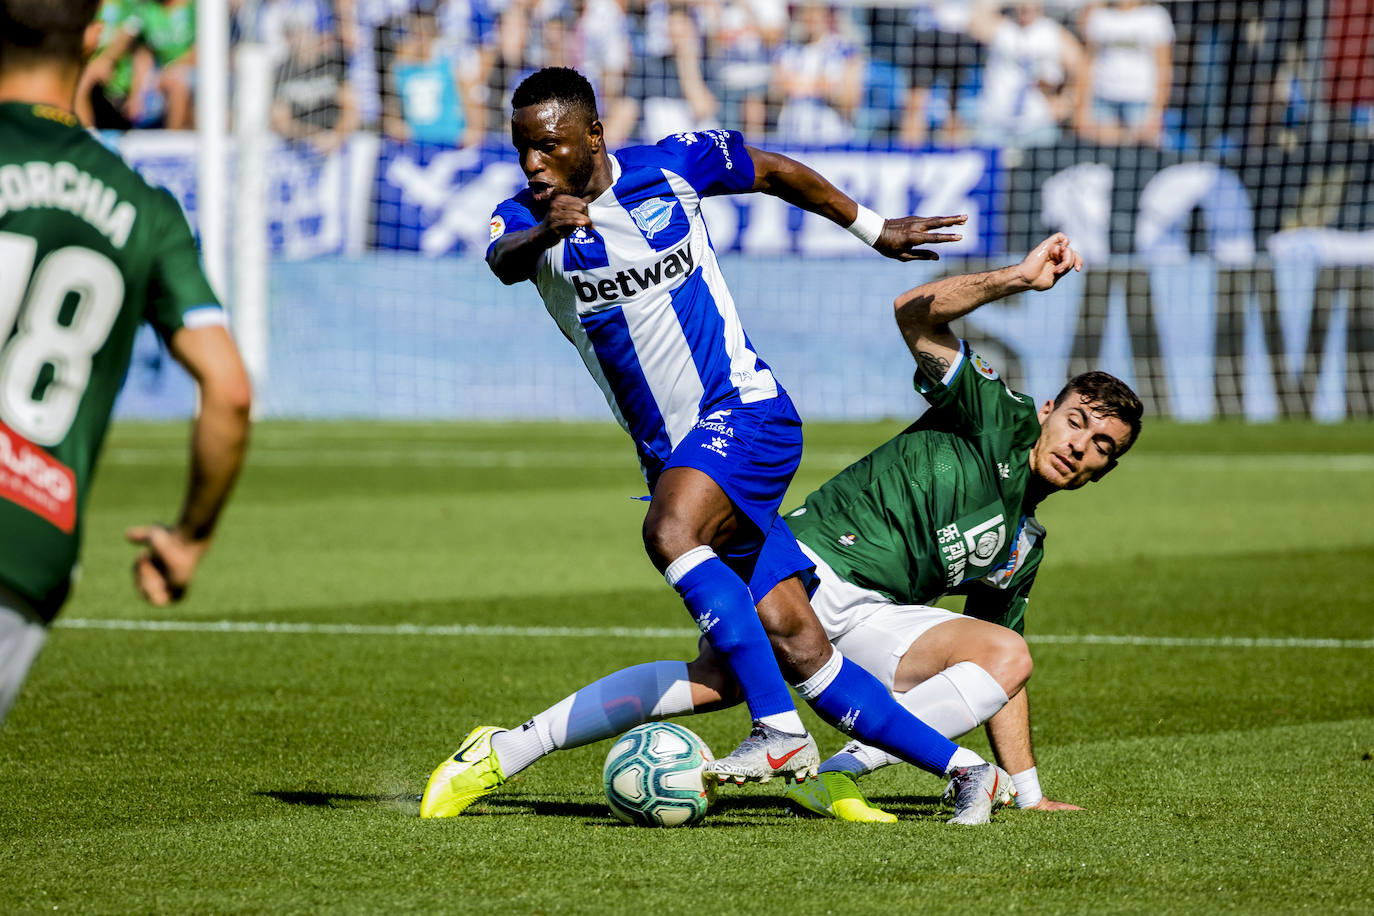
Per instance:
x=89, y=251
x=946, y=506
x=619, y=251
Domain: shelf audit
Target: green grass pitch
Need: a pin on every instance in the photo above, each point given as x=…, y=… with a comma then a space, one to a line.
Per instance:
x=1203, y=634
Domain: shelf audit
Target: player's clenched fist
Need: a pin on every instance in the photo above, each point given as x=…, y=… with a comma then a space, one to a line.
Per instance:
x=163, y=570
x=901, y=238
x=566, y=214
x=1049, y=261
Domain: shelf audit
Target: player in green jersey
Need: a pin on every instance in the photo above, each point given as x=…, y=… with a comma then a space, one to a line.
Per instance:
x=90, y=251
x=946, y=506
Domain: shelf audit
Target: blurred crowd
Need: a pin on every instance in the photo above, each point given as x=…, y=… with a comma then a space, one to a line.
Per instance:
x=1189, y=76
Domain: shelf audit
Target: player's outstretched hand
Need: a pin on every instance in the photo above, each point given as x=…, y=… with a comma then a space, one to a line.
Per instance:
x=163, y=569
x=566, y=214
x=1049, y=261
x=1046, y=804
x=902, y=237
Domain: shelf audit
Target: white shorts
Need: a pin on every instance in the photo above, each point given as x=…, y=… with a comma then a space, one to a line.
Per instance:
x=21, y=636
x=868, y=628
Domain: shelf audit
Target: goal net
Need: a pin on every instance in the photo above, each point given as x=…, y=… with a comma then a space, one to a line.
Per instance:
x=1209, y=159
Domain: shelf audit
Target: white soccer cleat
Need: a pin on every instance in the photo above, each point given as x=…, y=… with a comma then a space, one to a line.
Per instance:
x=766, y=753
x=977, y=791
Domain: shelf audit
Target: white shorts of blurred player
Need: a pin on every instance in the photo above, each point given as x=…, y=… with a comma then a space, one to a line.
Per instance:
x=867, y=627
x=22, y=635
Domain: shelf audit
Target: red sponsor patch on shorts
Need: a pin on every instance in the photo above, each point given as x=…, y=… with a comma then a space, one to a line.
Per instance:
x=32, y=478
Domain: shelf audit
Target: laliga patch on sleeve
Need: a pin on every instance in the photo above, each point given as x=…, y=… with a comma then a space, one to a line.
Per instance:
x=984, y=367
x=498, y=227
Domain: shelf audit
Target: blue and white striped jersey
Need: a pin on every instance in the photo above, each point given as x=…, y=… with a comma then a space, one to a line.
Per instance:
x=640, y=293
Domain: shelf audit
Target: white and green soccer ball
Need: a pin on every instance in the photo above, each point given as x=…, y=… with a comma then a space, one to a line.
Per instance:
x=653, y=776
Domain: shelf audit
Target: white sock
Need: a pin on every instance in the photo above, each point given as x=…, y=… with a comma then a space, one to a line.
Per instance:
x=789, y=721
x=1028, y=792
x=604, y=709
x=953, y=702
x=963, y=757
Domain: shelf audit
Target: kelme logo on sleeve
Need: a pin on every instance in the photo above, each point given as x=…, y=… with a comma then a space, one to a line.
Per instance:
x=972, y=543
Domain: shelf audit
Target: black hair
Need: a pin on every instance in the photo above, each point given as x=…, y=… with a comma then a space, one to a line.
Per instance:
x=557, y=84
x=44, y=29
x=1107, y=396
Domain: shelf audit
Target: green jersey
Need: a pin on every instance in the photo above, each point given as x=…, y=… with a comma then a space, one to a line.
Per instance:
x=114, y=17
x=89, y=251
x=168, y=31
x=942, y=508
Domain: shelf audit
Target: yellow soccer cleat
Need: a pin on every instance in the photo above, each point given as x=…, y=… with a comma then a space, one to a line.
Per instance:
x=835, y=794
x=473, y=771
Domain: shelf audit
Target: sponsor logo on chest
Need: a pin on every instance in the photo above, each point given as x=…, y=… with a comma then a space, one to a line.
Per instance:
x=971, y=544
x=600, y=286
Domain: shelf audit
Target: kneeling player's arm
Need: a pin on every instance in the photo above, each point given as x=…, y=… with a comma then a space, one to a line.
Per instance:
x=219, y=437
x=1009, y=733
x=925, y=312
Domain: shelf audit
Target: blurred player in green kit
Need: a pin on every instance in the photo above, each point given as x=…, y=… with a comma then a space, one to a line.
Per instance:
x=89, y=251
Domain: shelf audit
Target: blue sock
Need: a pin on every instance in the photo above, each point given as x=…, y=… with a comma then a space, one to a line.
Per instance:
x=723, y=608
x=856, y=703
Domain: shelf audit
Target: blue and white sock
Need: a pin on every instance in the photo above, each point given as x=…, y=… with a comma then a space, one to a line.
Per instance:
x=953, y=702
x=603, y=709
x=856, y=703
x=723, y=609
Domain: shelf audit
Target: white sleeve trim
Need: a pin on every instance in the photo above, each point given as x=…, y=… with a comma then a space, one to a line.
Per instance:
x=205, y=316
x=955, y=366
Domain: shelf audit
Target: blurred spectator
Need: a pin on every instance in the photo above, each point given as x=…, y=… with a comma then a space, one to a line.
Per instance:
x=819, y=79
x=601, y=52
x=938, y=52
x=1350, y=60
x=1129, y=69
x=168, y=30
x=1029, y=79
x=103, y=93
x=528, y=36
x=427, y=98
x=369, y=31
x=314, y=102
x=467, y=36
x=666, y=80
x=267, y=22
x=741, y=38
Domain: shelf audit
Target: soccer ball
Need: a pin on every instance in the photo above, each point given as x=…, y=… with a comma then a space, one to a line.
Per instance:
x=653, y=776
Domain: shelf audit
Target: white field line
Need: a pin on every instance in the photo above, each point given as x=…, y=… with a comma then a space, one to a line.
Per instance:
x=407, y=629
x=319, y=454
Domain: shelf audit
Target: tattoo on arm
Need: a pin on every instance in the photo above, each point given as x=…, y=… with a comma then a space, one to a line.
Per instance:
x=931, y=366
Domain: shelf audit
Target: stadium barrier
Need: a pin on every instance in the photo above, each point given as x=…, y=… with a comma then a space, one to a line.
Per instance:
x=381, y=307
